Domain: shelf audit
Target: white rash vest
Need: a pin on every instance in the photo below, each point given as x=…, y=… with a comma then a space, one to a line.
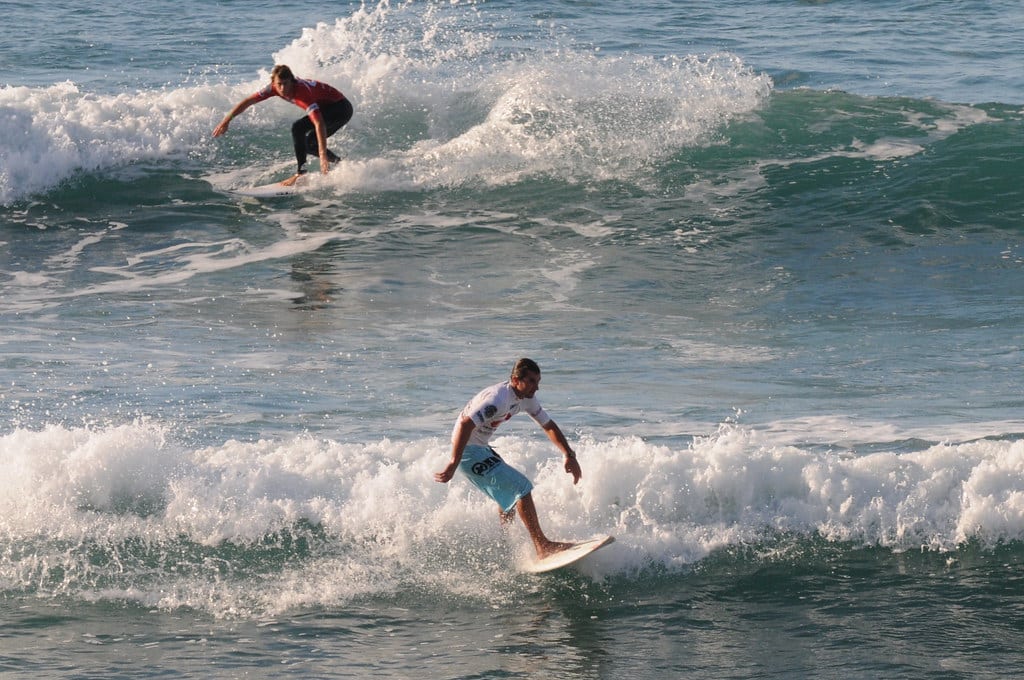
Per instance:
x=493, y=406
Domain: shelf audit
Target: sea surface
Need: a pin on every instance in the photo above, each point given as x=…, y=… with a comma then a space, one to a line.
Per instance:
x=768, y=255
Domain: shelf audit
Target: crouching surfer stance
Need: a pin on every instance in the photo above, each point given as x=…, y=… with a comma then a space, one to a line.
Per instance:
x=485, y=468
x=327, y=110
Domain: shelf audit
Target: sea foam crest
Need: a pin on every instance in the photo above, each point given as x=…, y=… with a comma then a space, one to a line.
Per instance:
x=128, y=505
x=50, y=134
x=439, y=104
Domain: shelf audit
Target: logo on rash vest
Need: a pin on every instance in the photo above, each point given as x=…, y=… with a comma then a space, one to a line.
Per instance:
x=487, y=464
x=495, y=423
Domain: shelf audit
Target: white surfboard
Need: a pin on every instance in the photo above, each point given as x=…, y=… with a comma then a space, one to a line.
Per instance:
x=564, y=558
x=275, y=189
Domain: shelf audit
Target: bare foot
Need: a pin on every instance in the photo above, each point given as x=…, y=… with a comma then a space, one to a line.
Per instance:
x=552, y=547
x=291, y=180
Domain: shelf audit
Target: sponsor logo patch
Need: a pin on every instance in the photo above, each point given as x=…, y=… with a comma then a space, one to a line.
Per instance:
x=484, y=466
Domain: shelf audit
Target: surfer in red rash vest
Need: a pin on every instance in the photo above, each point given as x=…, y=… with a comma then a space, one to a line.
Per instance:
x=327, y=110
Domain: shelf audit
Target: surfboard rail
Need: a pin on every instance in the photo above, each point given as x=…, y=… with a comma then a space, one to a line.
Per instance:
x=286, y=187
x=564, y=558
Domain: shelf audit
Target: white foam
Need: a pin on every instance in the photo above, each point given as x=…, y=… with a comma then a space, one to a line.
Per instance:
x=194, y=259
x=52, y=133
x=384, y=521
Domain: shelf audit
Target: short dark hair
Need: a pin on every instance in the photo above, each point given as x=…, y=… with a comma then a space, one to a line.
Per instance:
x=282, y=72
x=524, y=366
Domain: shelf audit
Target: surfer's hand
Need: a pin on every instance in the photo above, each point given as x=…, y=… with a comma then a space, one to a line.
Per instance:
x=325, y=163
x=445, y=475
x=222, y=128
x=572, y=466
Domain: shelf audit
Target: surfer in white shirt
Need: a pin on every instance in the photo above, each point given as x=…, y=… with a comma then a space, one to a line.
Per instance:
x=484, y=467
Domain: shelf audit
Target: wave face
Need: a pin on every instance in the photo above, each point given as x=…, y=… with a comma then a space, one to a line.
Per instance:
x=437, y=108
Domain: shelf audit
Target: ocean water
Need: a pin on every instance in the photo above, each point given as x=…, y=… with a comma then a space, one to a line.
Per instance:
x=768, y=255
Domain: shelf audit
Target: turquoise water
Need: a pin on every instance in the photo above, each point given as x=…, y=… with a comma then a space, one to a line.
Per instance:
x=768, y=256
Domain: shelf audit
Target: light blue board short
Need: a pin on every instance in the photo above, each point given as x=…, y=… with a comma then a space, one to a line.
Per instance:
x=493, y=476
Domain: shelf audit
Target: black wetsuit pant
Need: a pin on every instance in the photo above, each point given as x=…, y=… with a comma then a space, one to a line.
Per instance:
x=335, y=116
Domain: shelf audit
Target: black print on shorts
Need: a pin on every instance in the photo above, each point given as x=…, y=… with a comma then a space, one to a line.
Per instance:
x=485, y=465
